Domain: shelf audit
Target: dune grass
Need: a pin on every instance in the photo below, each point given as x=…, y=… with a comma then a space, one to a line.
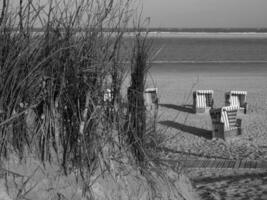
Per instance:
x=59, y=138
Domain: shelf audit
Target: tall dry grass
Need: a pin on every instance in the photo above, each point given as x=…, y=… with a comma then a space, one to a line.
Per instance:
x=52, y=85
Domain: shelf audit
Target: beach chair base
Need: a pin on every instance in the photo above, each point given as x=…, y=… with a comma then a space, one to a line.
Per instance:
x=225, y=135
x=220, y=133
x=151, y=117
x=232, y=133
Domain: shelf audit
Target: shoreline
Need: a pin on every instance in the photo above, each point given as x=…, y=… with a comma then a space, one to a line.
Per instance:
x=209, y=62
x=243, y=35
x=209, y=34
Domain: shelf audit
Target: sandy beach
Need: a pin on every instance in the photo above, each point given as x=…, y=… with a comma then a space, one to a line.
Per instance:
x=187, y=133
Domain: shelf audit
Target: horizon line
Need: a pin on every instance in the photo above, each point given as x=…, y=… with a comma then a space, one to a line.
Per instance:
x=161, y=29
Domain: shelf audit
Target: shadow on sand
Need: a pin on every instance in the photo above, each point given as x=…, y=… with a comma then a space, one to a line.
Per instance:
x=231, y=178
x=189, y=129
x=168, y=150
x=182, y=108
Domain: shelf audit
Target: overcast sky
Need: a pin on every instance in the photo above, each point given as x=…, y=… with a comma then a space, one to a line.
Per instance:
x=203, y=13
x=206, y=13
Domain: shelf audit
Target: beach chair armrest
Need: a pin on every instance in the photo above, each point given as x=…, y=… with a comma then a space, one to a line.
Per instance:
x=218, y=130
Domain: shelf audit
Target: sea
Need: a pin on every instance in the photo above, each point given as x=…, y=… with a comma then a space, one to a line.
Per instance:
x=235, y=52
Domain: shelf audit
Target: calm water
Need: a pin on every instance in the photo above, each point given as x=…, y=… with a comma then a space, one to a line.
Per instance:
x=230, y=69
x=210, y=49
x=215, y=54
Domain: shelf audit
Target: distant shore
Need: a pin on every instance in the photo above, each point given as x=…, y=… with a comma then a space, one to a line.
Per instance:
x=171, y=32
x=209, y=34
x=208, y=62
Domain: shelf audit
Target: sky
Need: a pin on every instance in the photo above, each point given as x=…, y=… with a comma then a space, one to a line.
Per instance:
x=206, y=13
x=202, y=13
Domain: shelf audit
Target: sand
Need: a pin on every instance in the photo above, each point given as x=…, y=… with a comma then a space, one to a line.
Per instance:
x=186, y=132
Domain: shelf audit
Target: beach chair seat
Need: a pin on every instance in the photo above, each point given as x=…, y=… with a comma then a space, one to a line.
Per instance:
x=202, y=100
x=237, y=98
x=225, y=122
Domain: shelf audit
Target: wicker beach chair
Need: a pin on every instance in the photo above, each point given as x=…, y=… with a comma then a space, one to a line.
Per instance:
x=108, y=95
x=151, y=104
x=151, y=98
x=237, y=98
x=202, y=100
x=225, y=123
x=109, y=108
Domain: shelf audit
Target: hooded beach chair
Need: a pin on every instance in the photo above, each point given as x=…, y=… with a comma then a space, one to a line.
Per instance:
x=224, y=122
x=202, y=100
x=151, y=98
x=109, y=108
x=151, y=103
x=237, y=98
x=108, y=95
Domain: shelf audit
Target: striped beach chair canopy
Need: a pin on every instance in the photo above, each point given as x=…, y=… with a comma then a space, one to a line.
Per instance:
x=228, y=117
x=238, y=92
x=203, y=98
x=204, y=92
